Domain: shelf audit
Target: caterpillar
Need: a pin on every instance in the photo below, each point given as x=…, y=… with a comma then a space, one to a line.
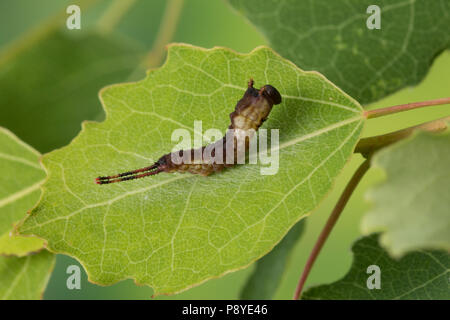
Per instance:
x=249, y=114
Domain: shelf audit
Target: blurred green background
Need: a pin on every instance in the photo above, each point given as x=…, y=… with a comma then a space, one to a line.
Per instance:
x=204, y=23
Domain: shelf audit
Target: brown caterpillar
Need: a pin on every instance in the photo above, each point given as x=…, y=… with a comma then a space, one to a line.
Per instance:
x=250, y=113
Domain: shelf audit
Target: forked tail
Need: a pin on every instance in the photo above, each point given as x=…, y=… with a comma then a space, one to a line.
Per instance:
x=130, y=175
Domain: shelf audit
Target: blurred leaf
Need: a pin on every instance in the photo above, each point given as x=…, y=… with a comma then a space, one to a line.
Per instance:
x=20, y=179
x=269, y=270
x=411, y=207
x=31, y=14
x=332, y=38
x=419, y=275
x=177, y=230
x=50, y=88
x=142, y=20
x=25, y=278
x=218, y=26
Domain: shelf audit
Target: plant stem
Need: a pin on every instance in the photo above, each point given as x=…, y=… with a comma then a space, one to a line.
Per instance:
x=165, y=33
x=111, y=17
x=404, y=107
x=369, y=145
x=339, y=207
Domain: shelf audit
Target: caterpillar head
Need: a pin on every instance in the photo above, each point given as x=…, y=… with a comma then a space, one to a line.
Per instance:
x=271, y=94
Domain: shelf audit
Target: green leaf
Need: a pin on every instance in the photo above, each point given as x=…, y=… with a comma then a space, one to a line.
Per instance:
x=418, y=275
x=25, y=278
x=49, y=88
x=332, y=38
x=411, y=206
x=20, y=179
x=269, y=270
x=173, y=231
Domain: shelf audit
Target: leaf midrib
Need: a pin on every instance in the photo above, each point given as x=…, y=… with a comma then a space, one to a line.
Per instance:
x=20, y=160
x=20, y=194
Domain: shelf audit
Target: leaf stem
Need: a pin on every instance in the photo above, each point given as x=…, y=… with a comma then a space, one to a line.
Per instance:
x=404, y=107
x=165, y=33
x=112, y=15
x=332, y=219
x=367, y=146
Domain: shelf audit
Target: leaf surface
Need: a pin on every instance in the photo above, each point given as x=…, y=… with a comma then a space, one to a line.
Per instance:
x=20, y=179
x=332, y=38
x=173, y=231
x=411, y=207
x=25, y=278
x=419, y=275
